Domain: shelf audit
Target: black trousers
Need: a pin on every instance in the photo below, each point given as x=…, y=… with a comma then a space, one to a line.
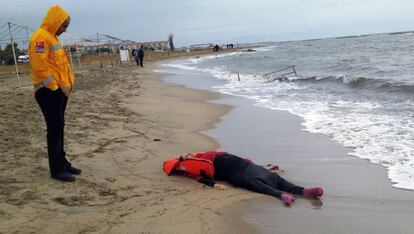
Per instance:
x=53, y=106
x=140, y=61
x=241, y=173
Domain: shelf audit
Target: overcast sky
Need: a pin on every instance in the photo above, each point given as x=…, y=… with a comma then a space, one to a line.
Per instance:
x=219, y=21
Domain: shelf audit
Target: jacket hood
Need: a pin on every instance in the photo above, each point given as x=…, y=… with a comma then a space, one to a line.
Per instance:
x=54, y=18
x=170, y=165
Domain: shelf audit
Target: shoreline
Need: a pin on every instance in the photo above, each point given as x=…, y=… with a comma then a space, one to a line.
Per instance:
x=359, y=197
x=207, y=217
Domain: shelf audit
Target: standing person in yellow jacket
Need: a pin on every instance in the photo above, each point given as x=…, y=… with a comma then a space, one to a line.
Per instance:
x=53, y=82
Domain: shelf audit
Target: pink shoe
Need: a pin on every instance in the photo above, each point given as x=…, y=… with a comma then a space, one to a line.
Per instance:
x=313, y=192
x=287, y=199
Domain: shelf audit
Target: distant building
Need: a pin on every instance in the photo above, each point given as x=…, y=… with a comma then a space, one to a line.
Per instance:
x=114, y=48
x=152, y=45
x=201, y=46
x=93, y=49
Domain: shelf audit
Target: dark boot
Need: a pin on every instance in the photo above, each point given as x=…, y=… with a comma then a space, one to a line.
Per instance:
x=63, y=176
x=73, y=170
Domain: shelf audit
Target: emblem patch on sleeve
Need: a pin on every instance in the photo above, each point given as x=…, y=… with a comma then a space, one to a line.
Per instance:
x=40, y=47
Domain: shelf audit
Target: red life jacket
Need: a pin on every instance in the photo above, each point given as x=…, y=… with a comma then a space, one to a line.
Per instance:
x=194, y=166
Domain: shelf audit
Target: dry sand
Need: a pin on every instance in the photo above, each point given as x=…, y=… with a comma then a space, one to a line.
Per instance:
x=121, y=123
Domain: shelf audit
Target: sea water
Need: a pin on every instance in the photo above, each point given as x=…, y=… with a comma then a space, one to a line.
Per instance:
x=357, y=90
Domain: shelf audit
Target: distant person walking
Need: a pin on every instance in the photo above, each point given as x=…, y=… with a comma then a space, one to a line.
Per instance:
x=216, y=48
x=139, y=56
x=53, y=82
x=133, y=53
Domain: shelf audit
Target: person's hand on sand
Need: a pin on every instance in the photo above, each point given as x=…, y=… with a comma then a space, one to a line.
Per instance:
x=186, y=156
x=220, y=186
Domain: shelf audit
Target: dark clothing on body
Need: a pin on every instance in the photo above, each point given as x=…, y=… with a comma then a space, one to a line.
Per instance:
x=139, y=57
x=241, y=173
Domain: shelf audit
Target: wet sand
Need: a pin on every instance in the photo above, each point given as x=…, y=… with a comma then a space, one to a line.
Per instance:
x=358, y=195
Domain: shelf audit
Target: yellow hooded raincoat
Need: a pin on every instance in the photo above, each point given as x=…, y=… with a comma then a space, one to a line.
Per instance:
x=48, y=61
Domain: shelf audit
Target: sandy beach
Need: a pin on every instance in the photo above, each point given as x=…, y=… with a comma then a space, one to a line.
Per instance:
x=123, y=121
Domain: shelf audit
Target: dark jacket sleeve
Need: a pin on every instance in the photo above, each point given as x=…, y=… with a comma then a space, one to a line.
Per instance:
x=202, y=179
x=207, y=181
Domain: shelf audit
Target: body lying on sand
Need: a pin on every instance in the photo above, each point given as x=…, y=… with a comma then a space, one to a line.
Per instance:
x=239, y=172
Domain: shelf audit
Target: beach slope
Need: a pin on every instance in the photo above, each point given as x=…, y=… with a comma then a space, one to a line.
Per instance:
x=122, y=122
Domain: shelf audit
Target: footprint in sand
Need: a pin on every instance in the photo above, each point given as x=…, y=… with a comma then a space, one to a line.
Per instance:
x=110, y=179
x=104, y=192
x=73, y=200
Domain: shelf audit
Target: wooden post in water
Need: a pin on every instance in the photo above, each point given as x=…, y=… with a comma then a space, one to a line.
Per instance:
x=238, y=76
x=294, y=70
